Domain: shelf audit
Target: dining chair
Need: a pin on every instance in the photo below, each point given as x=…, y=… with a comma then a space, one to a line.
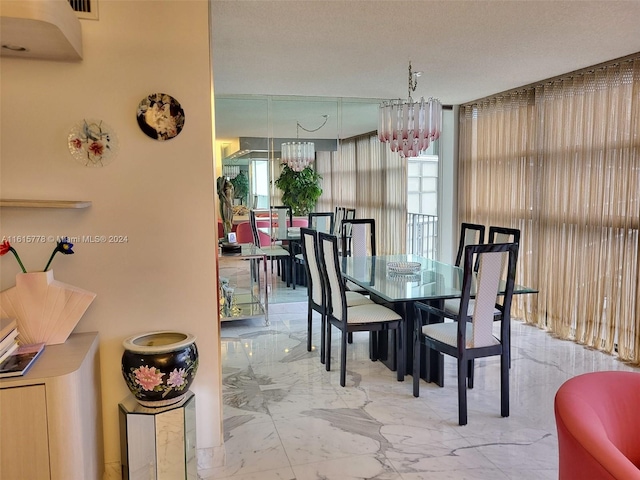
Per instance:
x=470, y=234
x=273, y=252
x=342, y=213
x=496, y=235
x=338, y=217
x=244, y=234
x=320, y=222
x=470, y=334
x=282, y=216
x=369, y=317
x=281, y=220
x=317, y=295
x=504, y=235
x=358, y=239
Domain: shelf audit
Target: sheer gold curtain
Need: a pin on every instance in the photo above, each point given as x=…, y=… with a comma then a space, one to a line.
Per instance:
x=561, y=161
x=365, y=175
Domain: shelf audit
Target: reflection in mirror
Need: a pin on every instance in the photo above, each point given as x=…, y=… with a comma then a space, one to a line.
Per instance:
x=251, y=129
x=236, y=118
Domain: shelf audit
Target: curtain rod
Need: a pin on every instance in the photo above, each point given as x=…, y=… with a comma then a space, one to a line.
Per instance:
x=564, y=76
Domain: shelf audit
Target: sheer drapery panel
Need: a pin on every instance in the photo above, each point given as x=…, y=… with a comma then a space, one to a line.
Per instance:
x=365, y=175
x=561, y=161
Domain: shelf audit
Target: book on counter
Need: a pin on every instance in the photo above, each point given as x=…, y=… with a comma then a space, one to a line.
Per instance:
x=8, y=350
x=7, y=326
x=21, y=360
x=8, y=338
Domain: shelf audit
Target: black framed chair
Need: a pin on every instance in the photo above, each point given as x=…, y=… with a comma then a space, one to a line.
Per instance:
x=503, y=235
x=369, y=317
x=317, y=292
x=346, y=228
x=470, y=335
x=338, y=217
x=342, y=213
x=320, y=222
x=470, y=234
x=281, y=220
x=358, y=238
x=496, y=235
x=273, y=252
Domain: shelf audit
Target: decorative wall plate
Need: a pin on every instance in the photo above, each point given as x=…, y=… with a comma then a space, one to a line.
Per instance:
x=93, y=143
x=160, y=116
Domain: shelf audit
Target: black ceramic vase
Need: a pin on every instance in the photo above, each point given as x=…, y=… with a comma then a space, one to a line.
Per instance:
x=159, y=367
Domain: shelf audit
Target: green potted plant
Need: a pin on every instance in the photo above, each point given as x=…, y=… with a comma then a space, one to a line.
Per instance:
x=300, y=190
x=241, y=187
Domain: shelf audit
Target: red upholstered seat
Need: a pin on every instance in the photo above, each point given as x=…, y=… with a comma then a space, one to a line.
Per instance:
x=598, y=421
x=244, y=233
x=300, y=222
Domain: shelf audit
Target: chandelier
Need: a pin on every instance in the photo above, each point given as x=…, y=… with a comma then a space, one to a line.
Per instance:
x=299, y=155
x=409, y=127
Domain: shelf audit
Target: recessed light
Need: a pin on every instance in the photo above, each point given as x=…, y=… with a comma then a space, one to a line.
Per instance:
x=15, y=48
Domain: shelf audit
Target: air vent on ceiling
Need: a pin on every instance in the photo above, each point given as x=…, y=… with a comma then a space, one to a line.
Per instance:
x=87, y=9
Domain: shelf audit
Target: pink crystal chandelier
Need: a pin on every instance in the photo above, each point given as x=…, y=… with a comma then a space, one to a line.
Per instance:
x=409, y=127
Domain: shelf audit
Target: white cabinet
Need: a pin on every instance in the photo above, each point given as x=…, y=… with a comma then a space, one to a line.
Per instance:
x=51, y=418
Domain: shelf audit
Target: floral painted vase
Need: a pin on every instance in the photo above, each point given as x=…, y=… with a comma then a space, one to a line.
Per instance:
x=159, y=367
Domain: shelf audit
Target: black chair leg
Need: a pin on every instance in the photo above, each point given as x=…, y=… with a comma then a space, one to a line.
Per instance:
x=470, y=370
x=327, y=358
x=343, y=359
x=462, y=391
x=323, y=337
x=417, y=346
x=309, y=328
x=400, y=355
x=504, y=383
x=350, y=337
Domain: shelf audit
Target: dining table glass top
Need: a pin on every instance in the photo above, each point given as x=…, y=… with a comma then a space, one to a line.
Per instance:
x=275, y=233
x=391, y=277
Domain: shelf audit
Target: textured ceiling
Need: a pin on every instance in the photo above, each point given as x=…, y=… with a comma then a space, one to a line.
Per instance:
x=466, y=49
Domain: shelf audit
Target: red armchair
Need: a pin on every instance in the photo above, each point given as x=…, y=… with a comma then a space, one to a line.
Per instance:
x=598, y=421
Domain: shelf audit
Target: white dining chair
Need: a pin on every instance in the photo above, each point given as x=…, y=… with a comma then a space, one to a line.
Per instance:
x=470, y=334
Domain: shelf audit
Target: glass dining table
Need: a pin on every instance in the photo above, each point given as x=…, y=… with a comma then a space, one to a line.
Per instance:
x=432, y=282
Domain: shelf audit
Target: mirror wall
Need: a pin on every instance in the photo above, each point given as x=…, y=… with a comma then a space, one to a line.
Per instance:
x=250, y=130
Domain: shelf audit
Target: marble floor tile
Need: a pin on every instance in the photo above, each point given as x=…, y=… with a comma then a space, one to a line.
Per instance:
x=286, y=417
x=351, y=468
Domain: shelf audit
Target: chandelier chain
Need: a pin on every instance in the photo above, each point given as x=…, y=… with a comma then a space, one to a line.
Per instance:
x=298, y=126
x=413, y=81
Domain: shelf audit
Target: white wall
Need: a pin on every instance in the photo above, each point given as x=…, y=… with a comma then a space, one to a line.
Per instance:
x=158, y=194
